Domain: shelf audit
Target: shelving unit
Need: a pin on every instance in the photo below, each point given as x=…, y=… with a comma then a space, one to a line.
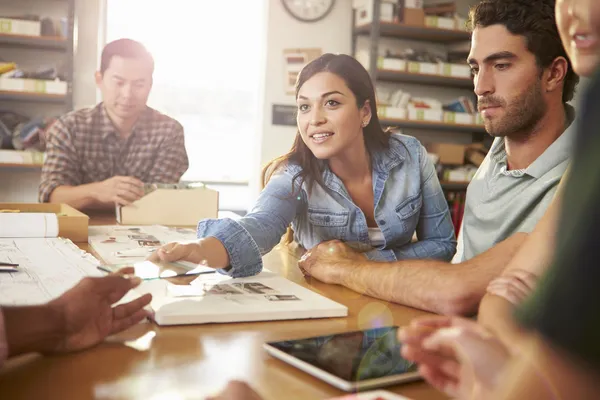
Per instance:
x=429, y=125
x=43, y=44
x=33, y=97
x=410, y=77
x=400, y=31
x=34, y=42
x=20, y=178
x=378, y=29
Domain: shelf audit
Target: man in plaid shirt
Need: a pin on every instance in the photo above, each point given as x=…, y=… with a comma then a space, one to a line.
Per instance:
x=100, y=156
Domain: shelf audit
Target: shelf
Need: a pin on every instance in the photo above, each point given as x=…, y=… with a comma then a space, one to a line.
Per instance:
x=34, y=42
x=438, y=126
x=33, y=97
x=20, y=166
x=446, y=185
x=400, y=31
x=410, y=77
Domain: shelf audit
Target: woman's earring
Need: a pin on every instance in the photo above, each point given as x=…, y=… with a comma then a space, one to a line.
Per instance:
x=365, y=123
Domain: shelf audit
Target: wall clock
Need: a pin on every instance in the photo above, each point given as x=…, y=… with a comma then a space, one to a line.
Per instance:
x=308, y=10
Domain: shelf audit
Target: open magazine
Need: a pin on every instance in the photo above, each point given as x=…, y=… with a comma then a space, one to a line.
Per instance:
x=217, y=298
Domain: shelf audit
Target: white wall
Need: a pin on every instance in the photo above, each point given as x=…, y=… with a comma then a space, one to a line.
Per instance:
x=332, y=35
x=89, y=15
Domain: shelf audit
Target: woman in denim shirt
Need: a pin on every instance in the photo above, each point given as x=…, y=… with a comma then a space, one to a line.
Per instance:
x=345, y=178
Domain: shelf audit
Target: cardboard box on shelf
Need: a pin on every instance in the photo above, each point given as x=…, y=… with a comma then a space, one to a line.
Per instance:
x=459, y=118
x=171, y=207
x=448, y=153
x=423, y=68
x=33, y=86
x=434, y=21
x=72, y=224
x=391, y=64
x=455, y=70
x=20, y=27
x=412, y=3
x=425, y=114
x=479, y=119
x=411, y=16
x=461, y=23
x=391, y=112
x=475, y=153
x=21, y=157
x=364, y=12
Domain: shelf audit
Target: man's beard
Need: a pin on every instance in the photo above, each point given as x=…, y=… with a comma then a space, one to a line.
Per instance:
x=521, y=116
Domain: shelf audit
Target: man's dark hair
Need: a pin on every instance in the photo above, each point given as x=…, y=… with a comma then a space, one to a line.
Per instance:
x=125, y=48
x=533, y=19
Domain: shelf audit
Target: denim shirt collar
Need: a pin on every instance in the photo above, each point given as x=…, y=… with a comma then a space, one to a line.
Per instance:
x=382, y=162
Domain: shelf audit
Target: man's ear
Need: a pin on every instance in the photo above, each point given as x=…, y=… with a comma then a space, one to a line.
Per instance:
x=98, y=78
x=555, y=74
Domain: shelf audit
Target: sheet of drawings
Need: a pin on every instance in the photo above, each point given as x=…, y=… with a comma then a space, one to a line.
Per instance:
x=47, y=268
x=127, y=244
x=235, y=289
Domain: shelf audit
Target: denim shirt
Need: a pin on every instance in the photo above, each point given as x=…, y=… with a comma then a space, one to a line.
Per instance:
x=408, y=199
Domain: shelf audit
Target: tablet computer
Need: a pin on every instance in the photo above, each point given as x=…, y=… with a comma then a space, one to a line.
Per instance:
x=350, y=361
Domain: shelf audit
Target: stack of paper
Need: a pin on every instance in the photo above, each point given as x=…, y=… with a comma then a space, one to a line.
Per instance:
x=47, y=268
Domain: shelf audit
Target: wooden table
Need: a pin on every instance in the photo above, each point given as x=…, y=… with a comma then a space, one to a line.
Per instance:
x=191, y=362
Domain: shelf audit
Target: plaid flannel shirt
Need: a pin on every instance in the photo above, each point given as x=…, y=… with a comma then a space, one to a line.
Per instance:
x=84, y=147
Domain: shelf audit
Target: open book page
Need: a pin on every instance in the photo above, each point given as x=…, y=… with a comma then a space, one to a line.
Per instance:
x=128, y=244
x=219, y=298
x=28, y=225
x=371, y=395
x=47, y=269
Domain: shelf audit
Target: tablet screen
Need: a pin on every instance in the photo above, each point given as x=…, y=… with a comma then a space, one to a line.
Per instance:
x=352, y=356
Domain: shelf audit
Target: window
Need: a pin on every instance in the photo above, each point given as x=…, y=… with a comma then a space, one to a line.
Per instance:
x=207, y=56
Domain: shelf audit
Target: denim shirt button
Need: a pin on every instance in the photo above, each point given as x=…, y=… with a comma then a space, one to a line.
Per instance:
x=381, y=222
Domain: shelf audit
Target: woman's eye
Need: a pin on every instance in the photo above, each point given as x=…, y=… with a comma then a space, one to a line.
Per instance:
x=303, y=107
x=332, y=103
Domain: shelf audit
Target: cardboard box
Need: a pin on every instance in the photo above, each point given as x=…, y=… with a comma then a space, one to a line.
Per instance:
x=72, y=224
x=33, y=86
x=20, y=27
x=459, y=118
x=479, y=119
x=461, y=23
x=412, y=17
x=434, y=21
x=423, y=68
x=425, y=114
x=364, y=12
x=449, y=154
x=21, y=157
x=171, y=207
x=391, y=64
x=413, y=3
x=391, y=112
x=455, y=70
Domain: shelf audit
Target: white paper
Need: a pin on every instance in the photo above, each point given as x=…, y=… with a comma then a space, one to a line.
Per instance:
x=28, y=225
x=47, y=269
x=117, y=244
